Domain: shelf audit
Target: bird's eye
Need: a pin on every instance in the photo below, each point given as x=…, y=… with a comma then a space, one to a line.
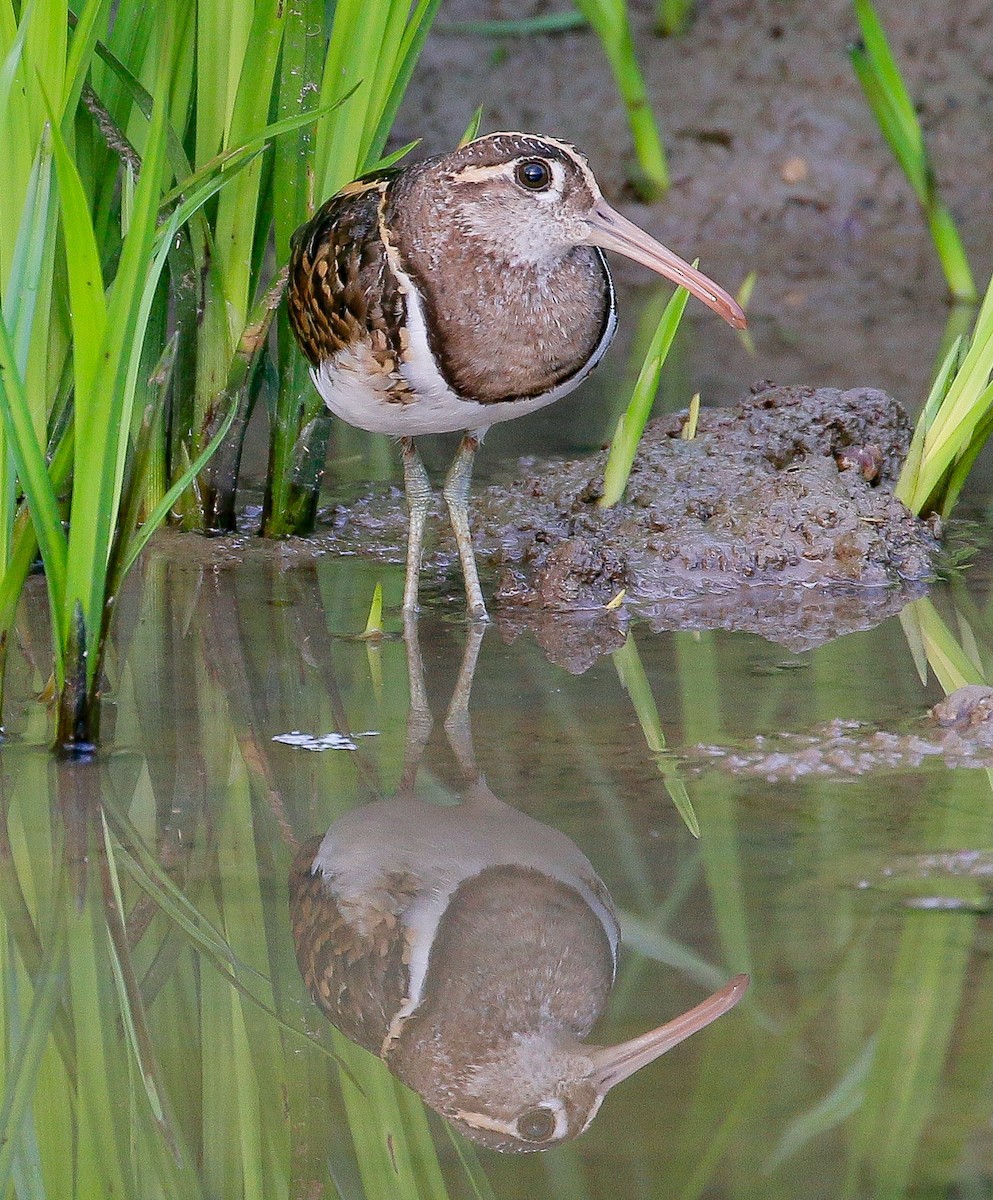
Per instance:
x=534, y=175
x=536, y=1125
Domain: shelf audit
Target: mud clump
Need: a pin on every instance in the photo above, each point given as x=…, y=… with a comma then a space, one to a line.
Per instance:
x=957, y=732
x=969, y=711
x=792, y=487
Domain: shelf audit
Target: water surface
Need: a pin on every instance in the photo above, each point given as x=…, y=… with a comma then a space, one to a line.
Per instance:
x=135, y=892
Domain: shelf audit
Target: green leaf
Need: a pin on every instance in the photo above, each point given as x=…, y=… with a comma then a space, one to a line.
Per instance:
x=86, y=289
x=29, y=459
x=472, y=129
x=632, y=424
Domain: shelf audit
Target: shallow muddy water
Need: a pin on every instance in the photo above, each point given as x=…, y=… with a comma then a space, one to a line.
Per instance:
x=858, y=1064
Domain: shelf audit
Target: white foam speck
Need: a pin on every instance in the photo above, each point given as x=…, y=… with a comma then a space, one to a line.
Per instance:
x=322, y=741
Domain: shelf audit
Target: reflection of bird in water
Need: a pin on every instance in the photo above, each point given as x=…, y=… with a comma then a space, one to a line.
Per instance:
x=464, y=290
x=473, y=949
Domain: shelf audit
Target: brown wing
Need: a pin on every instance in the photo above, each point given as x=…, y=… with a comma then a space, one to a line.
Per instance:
x=356, y=970
x=340, y=287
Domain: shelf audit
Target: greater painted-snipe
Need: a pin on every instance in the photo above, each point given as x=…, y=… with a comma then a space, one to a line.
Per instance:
x=461, y=291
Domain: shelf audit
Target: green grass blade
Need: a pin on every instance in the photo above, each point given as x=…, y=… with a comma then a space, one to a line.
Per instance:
x=517, y=27
x=887, y=95
x=472, y=129
x=22, y=1074
x=29, y=458
x=478, y=1183
x=959, y=473
x=632, y=424
x=674, y=17
x=138, y=541
x=32, y=249
x=91, y=22
x=34, y=235
x=886, y=71
x=86, y=288
x=907, y=484
x=951, y=665
x=415, y=35
x=383, y=164
x=633, y=679
x=219, y=170
x=128, y=996
x=144, y=102
x=957, y=429
x=103, y=402
x=609, y=19
x=954, y=262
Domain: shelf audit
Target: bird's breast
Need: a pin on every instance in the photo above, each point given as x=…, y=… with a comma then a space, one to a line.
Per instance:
x=507, y=334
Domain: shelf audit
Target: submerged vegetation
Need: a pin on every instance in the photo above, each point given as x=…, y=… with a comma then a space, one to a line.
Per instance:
x=157, y=1037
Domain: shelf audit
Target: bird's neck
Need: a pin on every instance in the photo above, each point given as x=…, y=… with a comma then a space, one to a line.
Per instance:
x=517, y=956
x=504, y=320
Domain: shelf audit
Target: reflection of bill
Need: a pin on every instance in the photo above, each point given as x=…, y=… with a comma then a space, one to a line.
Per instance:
x=472, y=948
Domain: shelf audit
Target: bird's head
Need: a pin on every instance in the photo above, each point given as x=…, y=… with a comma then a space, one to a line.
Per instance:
x=540, y=1090
x=533, y=199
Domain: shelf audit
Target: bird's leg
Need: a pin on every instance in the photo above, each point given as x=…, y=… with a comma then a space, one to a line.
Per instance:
x=419, y=719
x=418, y=489
x=456, y=495
x=457, y=725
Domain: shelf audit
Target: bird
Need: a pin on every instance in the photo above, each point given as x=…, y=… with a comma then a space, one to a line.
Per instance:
x=460, y=291
x=472, y=949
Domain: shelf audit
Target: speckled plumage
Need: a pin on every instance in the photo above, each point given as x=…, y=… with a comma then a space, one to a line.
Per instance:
x=504, y=332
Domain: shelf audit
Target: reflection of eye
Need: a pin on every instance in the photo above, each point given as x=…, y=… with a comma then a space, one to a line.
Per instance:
x=536, y=1125
x=534, y=175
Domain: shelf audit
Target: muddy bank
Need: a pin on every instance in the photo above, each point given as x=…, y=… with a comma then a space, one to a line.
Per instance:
x=778, y=517
x=791, y=487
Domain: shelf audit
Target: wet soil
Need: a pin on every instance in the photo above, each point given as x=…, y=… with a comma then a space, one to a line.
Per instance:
x=791, y=487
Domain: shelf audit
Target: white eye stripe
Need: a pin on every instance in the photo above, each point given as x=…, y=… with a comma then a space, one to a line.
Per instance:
x=509, y=1127
x=508, y=170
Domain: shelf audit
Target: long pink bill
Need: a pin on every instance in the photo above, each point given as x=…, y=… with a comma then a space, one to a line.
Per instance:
x=614, y=1063
x=611, y=231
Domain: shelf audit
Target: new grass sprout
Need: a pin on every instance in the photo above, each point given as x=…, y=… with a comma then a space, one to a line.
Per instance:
x=630, y=427
x=956, y=421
